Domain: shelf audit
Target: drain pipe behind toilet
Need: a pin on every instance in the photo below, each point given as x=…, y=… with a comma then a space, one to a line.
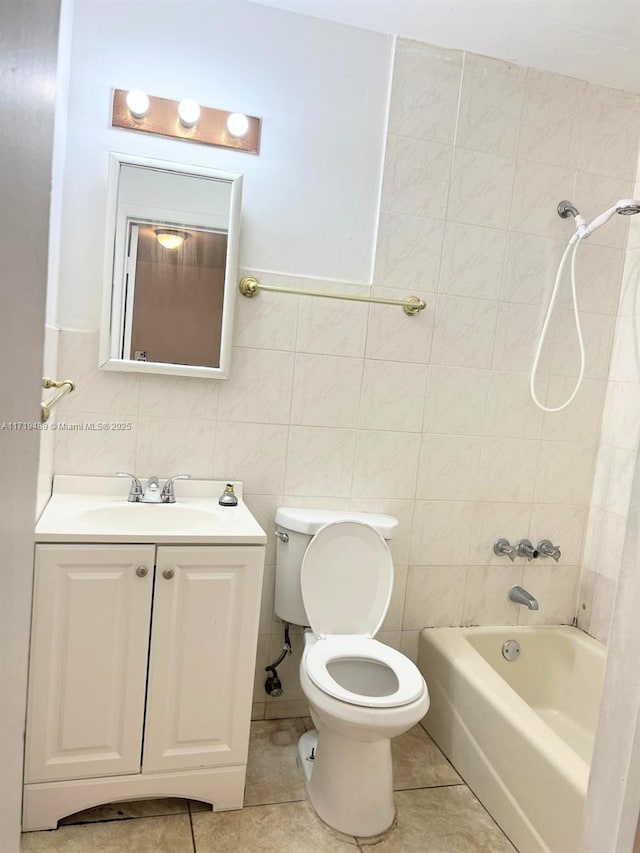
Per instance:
x=273, y=685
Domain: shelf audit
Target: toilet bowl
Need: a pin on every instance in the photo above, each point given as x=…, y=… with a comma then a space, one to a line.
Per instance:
x=361, y=692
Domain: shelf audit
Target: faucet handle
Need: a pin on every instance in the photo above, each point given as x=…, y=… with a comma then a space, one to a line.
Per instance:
x=503, y=548
x=548, y=549
x=524, y=548
x=168, y=496
x=135, y=492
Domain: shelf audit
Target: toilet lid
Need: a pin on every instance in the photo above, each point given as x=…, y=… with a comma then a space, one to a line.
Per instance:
x=346, y=579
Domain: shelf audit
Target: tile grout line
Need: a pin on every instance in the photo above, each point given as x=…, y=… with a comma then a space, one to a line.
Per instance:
x=193, y=836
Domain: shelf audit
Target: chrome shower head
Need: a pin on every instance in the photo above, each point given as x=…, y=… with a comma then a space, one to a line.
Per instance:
x=630, y=207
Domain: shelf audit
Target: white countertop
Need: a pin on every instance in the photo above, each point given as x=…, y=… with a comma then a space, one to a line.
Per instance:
x=95, y=509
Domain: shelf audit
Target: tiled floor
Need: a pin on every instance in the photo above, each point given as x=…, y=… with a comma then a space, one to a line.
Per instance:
x=437, y=813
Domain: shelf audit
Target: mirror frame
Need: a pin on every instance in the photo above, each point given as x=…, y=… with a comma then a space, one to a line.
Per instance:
x=109, y=342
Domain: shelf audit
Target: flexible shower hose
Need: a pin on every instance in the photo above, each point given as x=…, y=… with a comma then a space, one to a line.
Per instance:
x=573, y=243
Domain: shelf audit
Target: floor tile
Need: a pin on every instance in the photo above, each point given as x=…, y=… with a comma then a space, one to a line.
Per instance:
x=418, y=763
x=440, y=820
x=272, y=773
x=131, y=809
x=147, y=835
x=285, y=828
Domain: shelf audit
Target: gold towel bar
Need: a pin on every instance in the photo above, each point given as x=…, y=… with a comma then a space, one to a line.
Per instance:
x=250, y=286
x=64, y=386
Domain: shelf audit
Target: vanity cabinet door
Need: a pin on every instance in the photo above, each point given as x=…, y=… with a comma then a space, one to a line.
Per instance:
x=89, y=647
x=203, y=647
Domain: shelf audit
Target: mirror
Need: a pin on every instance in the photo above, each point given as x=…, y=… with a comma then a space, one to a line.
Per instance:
x=170, y=268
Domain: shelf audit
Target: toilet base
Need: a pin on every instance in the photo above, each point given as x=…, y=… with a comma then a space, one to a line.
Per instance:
x=307, y=748
x=349, y=782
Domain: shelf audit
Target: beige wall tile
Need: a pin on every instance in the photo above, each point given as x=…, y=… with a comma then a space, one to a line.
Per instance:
x=80, y=449
x=435, y=595
x=320, y=461
x=555, y=588
x=511, y=412
x=456, y=400
x=486, y=599
x=490, y=105
x=394, y=336
x=175, y=446
x=425, y=90
x=441, y=532
x=408, y=251
x=448, y=467
x=564, y=472
x=507, y=470
x=268, y=320
x=259, y=389
x=326, y=390
x=610, y=135
x=385, y=464
x=493, y=521
x=392, y=396
x=331, y=327
x=416, y=177
x=253, y=453
x=169, y=396
x=551, y=118
x=481, y=187
x=472, y=261
x=536, y=186
x=464, y=333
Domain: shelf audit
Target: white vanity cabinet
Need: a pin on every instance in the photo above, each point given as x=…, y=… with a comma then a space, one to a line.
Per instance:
x=141, y=675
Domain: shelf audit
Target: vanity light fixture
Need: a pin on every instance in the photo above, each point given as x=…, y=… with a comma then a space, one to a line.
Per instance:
x=138, y=103
x=238, y=125
x=170, y=238
x=186, y=119
x=189, y=112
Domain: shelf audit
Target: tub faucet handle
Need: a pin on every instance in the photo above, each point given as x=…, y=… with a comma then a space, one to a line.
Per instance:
x=548, y=549
x=524, y=548
x=503, y=548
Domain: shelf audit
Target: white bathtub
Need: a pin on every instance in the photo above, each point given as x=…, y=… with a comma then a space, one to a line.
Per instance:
x=519, y=732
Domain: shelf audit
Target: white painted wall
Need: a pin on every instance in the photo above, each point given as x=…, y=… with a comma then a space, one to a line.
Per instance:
x=310, y=198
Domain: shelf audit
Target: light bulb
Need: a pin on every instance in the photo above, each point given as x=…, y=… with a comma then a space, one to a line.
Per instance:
x=170, y=238
x=138, y=103
x=237, y=124
x=189, y=112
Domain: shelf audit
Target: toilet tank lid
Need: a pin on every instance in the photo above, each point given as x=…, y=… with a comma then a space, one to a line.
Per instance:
x=309, y=521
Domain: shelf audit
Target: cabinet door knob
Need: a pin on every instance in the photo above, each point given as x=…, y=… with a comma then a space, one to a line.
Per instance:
x=142, y=571
x=168, y=574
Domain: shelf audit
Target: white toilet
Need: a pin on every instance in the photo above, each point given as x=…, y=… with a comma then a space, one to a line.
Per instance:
x=334, y=573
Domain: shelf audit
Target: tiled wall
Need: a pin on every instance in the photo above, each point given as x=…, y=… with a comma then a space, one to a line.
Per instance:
x=344, y=405
x=617, y=455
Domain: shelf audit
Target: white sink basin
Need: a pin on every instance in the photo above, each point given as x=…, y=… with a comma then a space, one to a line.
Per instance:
x=95, y=509
x=145, y=518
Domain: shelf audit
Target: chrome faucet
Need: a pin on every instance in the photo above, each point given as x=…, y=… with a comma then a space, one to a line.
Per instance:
x=524, y=548
x=152, y=494
x=168, y=496
x=521, y=596
x=503, y=548
x=548, y=549
x=136, y=492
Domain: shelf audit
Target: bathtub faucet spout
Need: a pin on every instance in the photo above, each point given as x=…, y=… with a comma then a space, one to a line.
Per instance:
x=521, y=596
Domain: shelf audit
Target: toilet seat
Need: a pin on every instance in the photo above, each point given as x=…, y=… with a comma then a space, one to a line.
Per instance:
x=411, y=684
x=347, y=580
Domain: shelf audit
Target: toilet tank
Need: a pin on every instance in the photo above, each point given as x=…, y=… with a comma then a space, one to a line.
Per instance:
x=300, y=526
